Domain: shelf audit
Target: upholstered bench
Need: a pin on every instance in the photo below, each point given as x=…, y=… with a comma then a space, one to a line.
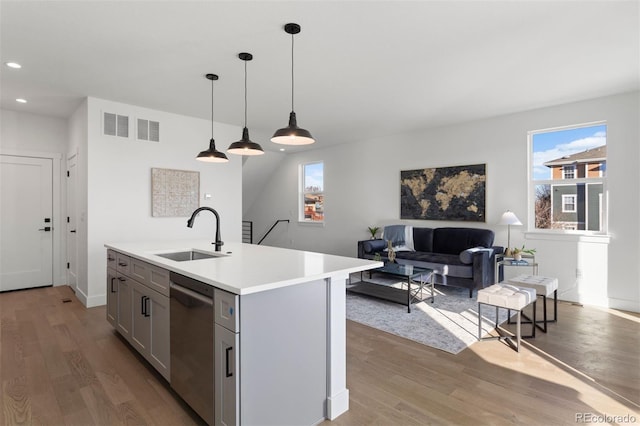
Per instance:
x=508, y=297
x=544, y=287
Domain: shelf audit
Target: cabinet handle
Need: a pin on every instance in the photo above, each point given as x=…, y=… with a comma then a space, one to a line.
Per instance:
x=112, y=290
x=142, y=312
x=146, y=307
x=227, y=351
x=121, y=279
x=122, y=264
x=111, y=259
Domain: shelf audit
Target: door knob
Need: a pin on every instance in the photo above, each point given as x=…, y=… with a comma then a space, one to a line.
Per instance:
x=45, y=229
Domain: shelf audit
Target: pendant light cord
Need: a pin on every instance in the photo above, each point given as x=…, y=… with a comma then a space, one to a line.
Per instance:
x=292, y=85
x=245, y=93
x=211, y=109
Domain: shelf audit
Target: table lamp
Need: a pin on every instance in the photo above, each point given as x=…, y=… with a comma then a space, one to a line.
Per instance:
x=509, y=218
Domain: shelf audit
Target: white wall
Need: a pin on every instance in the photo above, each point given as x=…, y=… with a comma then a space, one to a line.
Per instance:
x=32, y=134
x=119, y=185
x=362, y=189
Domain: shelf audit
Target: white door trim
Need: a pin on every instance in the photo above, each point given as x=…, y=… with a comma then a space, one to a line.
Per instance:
x=71, y=211
x=59, y=242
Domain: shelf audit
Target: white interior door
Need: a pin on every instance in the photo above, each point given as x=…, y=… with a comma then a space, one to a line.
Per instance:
x=26, y=222
x=72, y=220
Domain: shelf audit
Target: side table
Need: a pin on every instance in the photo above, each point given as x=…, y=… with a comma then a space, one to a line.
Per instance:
x=502, y=261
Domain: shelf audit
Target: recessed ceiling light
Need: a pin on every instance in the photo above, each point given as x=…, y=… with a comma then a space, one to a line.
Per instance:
x=13, y=65
x=22, y=101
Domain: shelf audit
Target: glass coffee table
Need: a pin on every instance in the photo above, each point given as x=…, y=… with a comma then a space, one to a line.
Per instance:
x=416, y=277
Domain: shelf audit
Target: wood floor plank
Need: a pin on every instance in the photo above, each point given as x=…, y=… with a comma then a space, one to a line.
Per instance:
x=16, y=403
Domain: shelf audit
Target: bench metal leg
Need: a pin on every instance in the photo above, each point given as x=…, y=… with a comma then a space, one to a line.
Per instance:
x=545, y=320
x=508, y=339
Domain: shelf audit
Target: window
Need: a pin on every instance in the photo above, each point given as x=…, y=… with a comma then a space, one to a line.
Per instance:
x=568, y=172
x=312, y=199
x=568, y=203
x=579, y=154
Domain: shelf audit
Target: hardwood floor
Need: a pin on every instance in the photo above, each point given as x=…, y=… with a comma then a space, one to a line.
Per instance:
x=62, y=364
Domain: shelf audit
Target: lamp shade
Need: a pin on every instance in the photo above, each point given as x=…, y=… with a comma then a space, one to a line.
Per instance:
x=212, y=155
x=245, y=146
x=292, y=134
x=509, y=218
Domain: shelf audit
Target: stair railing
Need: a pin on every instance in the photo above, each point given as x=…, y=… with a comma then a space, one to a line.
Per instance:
x=271, y=229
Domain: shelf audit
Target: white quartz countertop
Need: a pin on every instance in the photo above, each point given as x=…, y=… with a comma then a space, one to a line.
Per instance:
x=245, y=268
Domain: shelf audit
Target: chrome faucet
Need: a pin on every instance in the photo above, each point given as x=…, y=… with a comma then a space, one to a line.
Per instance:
x=218, y=242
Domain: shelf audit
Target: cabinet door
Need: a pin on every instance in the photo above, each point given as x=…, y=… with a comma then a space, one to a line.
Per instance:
x=159, y=355
x=112, y=297
x=226, y=377
x=141, y=324
x=124, y=306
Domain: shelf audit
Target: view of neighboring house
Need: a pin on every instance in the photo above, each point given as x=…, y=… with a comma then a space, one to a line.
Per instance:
x=575, y=202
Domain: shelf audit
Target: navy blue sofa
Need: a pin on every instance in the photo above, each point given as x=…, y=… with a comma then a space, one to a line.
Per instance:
x=462, y=257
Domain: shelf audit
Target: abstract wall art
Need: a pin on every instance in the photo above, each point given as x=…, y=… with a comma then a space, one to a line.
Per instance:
x=174, y=193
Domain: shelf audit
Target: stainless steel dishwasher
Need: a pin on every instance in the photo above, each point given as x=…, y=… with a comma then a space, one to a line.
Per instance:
x=192, y=331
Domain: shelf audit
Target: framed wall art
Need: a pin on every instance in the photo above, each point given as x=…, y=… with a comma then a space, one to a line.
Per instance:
x=444, y=193
x=174, y=193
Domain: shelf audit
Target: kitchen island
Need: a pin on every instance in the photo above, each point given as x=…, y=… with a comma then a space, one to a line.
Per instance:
x=289, y=357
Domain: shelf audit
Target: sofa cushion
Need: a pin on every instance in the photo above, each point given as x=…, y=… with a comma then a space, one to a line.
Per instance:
x=373, y=246
x=445, y=264
x=423, y=239
x=456, y=240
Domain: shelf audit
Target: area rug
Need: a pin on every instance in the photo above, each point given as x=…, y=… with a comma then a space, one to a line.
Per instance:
x=450, y=323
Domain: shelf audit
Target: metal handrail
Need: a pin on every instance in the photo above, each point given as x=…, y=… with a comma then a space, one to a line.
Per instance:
x=271, y=229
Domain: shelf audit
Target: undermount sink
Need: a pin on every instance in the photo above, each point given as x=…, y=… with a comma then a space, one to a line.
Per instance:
x=187, y=255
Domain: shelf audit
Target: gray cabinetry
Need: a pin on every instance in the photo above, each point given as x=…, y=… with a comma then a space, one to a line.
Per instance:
x=112, y=296
x=150, y=328
x=141, y=324
x=123, y=321
x=226, y=377
x=138, y=307
x=226, y=358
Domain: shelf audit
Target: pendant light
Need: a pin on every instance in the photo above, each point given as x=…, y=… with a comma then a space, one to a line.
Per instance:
x=292, y=134
x=245, y=146
x=212, y=155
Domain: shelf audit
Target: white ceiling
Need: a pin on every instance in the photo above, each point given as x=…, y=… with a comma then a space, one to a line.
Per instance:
x=362, y=68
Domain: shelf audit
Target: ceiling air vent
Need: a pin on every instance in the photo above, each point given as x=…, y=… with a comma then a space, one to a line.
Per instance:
x=148, y=130
x=116, y=125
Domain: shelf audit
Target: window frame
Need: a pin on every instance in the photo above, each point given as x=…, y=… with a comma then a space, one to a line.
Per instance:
x=574, y=197
x=569, y=167
x=302, y=193
x=533, y=184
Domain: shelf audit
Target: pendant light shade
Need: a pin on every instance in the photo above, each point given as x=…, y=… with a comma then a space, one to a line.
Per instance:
x=245, y=146
x=292, y=134
x=212, y=155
